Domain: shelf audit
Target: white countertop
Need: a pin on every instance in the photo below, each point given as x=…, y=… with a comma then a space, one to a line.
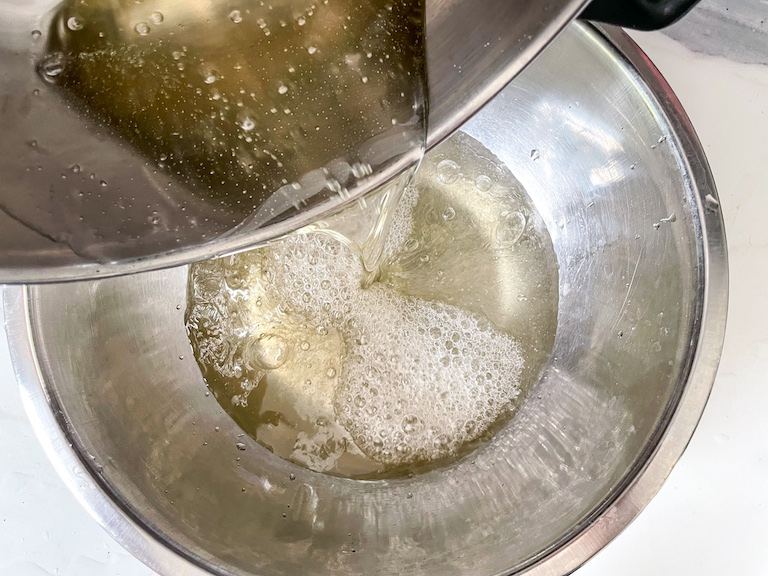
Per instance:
x=710, y=518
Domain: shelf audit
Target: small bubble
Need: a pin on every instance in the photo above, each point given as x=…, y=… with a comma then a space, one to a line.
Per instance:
x=483, y=183
x=510, y=228
x=236, y=16
x=35, y=92
x=449, y=214
x=409, y=495
x=142, y=28
x=156, y=17
x=178, y=306
x=270, y=351
x=301, y=21
x=322, y=330
x=75, y=168
x=292, y=477
x=36, y=34
x=331, y=372
x=282, y=89
x=247, y=123
x=304, y=345
x=51, y=67
x=75, y=23
x=216, y=428
x=364, y=79
x=103, y=183
x=311, y=49
x=181, y=357
x=447, y=171
x=410, y=245
x=210, y=78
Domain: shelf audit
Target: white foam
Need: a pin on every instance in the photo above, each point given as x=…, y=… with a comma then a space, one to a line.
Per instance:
x=418, y=379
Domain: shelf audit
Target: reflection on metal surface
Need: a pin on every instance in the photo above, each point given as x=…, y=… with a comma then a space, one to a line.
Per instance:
x=640, y=326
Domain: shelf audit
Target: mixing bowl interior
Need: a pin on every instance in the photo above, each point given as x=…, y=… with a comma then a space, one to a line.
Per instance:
x=607, y=172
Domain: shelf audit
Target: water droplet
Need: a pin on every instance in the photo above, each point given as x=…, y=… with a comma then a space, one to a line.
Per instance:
x=671, y=218
x=510, y=228
x=311, y=49
x=662, y=139
x=178, y=306
x=301, y=21
x=75, y=168
x=409, y=495
x=304, y=345
x=449, y=214
x=36, y=34
x=181, y=357
x=240, y=445
x=364, y=79
x=216, y=428
x=211, y=77
x=322, y=330
x=142, y=28
x=35, y=92
x=483, y=183
x=712, y=204
x=246, y=123
x=157, y=17
x=282, y=89
x=75, y=23
x=103, y=183
x=51, y=67
x=236, y=16
x=447, y=171
x=535, y=154
x=331, y=372
x=292, y=476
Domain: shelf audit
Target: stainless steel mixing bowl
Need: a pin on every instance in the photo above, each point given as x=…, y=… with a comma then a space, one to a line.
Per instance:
x=608, y=157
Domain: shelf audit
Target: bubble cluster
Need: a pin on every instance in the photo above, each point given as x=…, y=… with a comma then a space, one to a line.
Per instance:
x=417, y=379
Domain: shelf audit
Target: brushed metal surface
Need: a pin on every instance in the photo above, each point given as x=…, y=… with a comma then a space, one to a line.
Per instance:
x=474, y=49
x=624, y=189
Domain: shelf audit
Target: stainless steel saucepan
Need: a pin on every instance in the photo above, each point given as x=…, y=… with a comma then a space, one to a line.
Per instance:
x=81, y=197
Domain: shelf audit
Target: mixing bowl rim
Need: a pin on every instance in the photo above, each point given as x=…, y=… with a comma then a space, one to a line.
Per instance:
x=565, y=556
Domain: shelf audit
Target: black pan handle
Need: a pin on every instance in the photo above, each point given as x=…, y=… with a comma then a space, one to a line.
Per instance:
x=637, y=14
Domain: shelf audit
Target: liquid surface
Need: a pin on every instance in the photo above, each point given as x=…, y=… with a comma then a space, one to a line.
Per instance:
x=409, y=373
x=239, y=111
